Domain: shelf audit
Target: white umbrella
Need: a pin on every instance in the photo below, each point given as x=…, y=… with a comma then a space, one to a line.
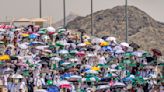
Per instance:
x=17, y=76
x=64, y=82
x=41, y=47
x=45, y=37
x=22, y=46
x=48, y=51
x=73, y=59
x=81, y=44
x=103, y=87
x=91, y=55
x=113, y=70
x=138, y=53
x=119, y=51
x=91, y=72
x=120, y=84
x=111, y=39
x=76, y=76
x=10, y=45
x=51, y=29
x=97, y=40
x=65, y=63
x=2, y=30
x=40, y=90
x=63, y=52
x=56, y=58
x=124, y=44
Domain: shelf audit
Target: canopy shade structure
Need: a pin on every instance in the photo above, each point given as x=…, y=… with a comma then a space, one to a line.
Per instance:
x=38, y=20
x=23, y=20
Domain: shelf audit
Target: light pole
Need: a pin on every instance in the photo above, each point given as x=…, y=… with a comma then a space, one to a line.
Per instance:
x=126, y=14
x=40, y=8
x=64, y=14
x=91, y=17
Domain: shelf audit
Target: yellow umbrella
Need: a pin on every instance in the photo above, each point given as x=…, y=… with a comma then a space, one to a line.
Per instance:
x=25, y=35
x=87, y=43
x=5, y=57
x=95, y=68
x=104, y=44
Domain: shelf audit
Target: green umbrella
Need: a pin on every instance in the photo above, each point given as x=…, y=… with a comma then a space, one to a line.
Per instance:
x=54, y=66
x=1, y=42
x=59, y=44
x=128, y=55
x=146, y=54
x=1, y=63
x=26, y=73
x=103, y=65
x=49, y=82
x=132, y=65
x=61, y=30
x=127, y=61
x=161, y=64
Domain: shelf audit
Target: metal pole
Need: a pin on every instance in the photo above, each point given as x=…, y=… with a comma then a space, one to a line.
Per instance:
x=40, y=8
x=64, y=14
x=91, y=17
x=126, y=12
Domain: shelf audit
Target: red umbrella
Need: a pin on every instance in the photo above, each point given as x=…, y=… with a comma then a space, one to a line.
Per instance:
x=156, y=52
x=68, y=86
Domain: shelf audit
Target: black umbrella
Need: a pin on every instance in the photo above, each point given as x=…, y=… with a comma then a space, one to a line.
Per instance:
x=105, y=37
x=13, y=58
x=45, y=58
x=70, y=41
x=90, y=49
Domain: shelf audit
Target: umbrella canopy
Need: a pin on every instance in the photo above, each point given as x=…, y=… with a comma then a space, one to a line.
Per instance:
x=119, y=84
x=16, y=76
x=90, y=79
x=51, y=29
x=22, y=46
x=56, y=58
x=104, y=44
x=81, y=45
x=91, y=72
x=157, y=52
x=124, y=44
x=111, y=39
x=5, y=57
x=40, y=90
x=24, y=34
x=103, y=87
x=97, y=40
x=63, y=52
x=32, y=36
x=95, y=68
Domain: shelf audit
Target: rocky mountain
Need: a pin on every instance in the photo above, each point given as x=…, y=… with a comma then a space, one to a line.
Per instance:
x=143, y=29
x=69, y=18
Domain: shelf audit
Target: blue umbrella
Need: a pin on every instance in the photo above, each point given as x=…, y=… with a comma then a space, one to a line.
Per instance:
x=107, y=48
x=53, y=89
x=32, y=36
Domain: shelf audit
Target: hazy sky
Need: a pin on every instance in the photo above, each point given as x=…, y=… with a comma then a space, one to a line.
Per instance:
x=30, y=8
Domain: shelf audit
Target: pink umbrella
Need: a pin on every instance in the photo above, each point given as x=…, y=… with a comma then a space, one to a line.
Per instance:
x=80, y=54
